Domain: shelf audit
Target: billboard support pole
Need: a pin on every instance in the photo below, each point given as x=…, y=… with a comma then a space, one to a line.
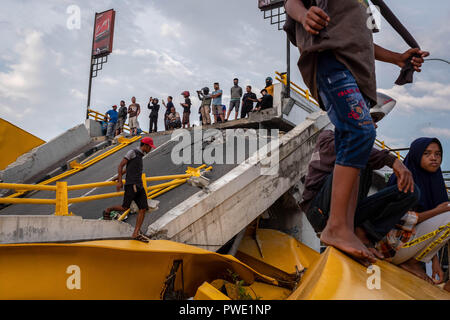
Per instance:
x=98, y=59
x=288, y=67
x=91, y=71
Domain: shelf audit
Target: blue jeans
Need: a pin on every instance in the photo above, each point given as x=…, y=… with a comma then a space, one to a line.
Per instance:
x=348, y=111
x=111, y=132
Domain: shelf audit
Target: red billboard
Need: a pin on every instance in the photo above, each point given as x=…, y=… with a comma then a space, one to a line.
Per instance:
x=270, y=4
x=104, y=33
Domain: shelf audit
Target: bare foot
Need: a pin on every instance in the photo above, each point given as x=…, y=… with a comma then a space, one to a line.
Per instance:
x=361, y=234
x=413, y=266
x=348, y=242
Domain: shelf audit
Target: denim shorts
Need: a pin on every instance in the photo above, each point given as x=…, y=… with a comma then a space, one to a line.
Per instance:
x=348, y=111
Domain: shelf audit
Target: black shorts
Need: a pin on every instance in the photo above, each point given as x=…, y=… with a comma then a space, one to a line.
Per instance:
x=137, y=194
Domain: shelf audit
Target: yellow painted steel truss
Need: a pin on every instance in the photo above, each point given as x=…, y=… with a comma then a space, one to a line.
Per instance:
x=98, y=116
x=61, y=189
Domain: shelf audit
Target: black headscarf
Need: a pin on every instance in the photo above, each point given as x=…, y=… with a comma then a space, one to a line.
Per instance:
x=432, y=185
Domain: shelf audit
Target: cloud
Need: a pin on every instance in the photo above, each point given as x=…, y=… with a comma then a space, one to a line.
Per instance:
x=422, y=96
x=78, y=94
x=437, y=132
x=24, y=75
x=109, y=81
x=171, y=30
x=162, y=48
x=391, y=142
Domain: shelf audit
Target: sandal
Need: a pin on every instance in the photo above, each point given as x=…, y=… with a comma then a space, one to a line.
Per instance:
x=142, y=238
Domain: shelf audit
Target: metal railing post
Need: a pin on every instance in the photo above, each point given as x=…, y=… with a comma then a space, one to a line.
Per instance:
x=62, y=199
x=144, y=183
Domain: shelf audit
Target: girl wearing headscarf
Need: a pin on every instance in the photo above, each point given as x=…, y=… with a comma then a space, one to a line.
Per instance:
x=425, y=229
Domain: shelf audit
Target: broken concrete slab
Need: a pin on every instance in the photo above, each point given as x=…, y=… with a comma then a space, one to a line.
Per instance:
x=45, y=156
x=40, y=229
x=94, y=128
x=210, y=219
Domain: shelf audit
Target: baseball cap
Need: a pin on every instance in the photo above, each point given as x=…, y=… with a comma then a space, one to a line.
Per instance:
x=148, y=141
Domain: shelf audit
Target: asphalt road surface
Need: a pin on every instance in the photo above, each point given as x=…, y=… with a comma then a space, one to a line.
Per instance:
x=157, y=163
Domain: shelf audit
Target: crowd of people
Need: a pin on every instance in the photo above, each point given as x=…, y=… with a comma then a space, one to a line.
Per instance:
x=210, y=102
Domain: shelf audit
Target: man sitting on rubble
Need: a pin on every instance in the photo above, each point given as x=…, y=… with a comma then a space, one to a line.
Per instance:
x=173, y=120
x=169, y=107
x=265, y=102
x=375, y=215
x=134, y=188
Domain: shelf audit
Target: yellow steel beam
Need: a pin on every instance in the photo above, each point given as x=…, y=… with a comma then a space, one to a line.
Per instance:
x=34, y=271
x=26, y=201
x=156, y=193
x=207, y=292
x=168, y=184
x=163, y=178
x=26, y=187
x=167, y=190
x=62, y=204
x=93, y=185
x=62, y=189
x=119, y=194
x=97, y=197
x=83, y=166
x=304, y=93
x=15, y=142
x=101, y=116
x=113, y=183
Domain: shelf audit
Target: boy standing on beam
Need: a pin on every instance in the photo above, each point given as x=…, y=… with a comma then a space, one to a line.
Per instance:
x=337, y=63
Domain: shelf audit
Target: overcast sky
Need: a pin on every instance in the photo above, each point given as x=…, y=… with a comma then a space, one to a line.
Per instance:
x=164, y=47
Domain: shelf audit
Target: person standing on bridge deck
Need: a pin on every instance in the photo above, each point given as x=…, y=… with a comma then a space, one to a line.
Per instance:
x=154, y=107
x=269, y=86
x=217, y=104
x=112, y=116
x=169, y=107
x=186, y=109
x=236, y=95
x=337, y=63
x=247, y=102
x=134, y=110
x=134, y=188
x=205, y=108
x=123, y=115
